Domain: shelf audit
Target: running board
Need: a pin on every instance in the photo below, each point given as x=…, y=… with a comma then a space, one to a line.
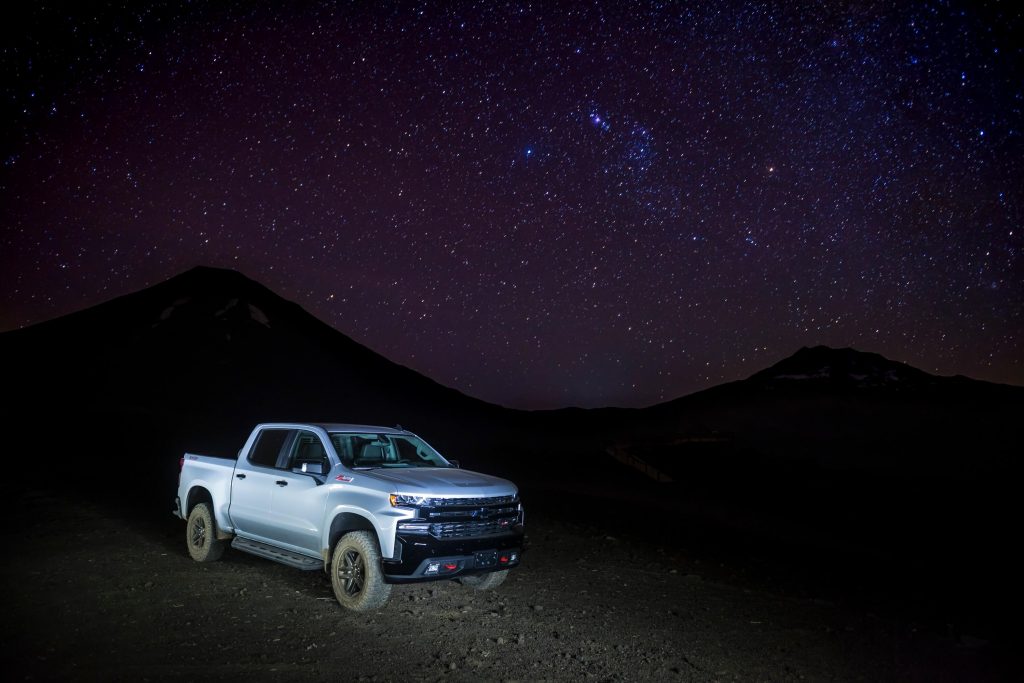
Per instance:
x=272, y=552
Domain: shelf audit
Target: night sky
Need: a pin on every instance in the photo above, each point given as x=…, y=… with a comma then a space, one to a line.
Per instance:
x=539, y=204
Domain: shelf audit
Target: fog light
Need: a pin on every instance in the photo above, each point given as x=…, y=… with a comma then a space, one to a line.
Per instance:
x=450, y=566
x=433, y=568
x=503, y=559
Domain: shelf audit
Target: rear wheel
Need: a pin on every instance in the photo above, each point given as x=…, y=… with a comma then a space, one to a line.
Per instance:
x=484, y=582
x=201, y=535
x=356, y=572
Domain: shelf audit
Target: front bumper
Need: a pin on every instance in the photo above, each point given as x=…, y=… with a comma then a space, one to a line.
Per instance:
x=425, y=558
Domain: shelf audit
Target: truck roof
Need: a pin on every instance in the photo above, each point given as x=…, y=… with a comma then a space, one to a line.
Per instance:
x=337, y=427
x=342, y=427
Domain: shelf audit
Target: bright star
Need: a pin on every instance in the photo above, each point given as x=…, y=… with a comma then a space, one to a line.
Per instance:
x=596, y=120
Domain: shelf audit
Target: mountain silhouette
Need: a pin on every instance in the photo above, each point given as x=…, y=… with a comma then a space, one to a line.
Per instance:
x=206, y=354
x=200, y=358
x=842, y=367
x=851, y=410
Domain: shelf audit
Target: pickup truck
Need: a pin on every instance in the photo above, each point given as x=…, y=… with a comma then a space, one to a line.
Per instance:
x=371, y=506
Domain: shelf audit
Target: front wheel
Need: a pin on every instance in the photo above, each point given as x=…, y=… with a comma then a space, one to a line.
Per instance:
x=201, y=535
x=484, y=582
x=356, y=572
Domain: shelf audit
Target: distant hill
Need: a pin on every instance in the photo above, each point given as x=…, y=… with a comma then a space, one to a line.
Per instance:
x=850, y=409
x=842, y=368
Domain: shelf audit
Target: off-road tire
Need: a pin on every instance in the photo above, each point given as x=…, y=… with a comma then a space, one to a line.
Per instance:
x=484, y=582
x=356, y=573
x=201, y=535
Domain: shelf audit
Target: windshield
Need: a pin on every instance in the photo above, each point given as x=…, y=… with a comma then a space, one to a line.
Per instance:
x=385, y=450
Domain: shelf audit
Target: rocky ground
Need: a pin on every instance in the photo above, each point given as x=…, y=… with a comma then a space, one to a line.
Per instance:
x=95, y=592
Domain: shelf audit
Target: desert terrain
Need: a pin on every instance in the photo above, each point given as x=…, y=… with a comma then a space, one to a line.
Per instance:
x=103, y=592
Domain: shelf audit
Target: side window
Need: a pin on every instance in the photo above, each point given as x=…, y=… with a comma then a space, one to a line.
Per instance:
x=307, y=448
x=268, y=447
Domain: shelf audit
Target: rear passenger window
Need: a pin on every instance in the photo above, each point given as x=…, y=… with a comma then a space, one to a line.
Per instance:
x=268, y=447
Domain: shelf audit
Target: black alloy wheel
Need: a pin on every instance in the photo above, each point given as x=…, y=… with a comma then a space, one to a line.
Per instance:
x=352, y=572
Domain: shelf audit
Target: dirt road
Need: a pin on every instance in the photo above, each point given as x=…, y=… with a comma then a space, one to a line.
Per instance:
x=92, y=593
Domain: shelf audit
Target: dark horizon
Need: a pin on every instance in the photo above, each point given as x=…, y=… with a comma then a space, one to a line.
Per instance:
x=225, y=283
x=613, y=205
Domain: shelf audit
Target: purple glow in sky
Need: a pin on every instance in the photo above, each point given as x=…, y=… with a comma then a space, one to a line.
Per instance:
x=595, y=204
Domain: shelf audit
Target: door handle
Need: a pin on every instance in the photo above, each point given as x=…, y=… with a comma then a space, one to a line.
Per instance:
x=281, y=482
x=240, y=476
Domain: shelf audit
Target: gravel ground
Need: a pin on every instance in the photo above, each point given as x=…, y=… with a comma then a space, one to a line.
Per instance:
x=93, y=592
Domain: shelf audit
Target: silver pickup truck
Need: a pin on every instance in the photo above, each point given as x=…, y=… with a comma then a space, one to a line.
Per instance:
x=372, y=506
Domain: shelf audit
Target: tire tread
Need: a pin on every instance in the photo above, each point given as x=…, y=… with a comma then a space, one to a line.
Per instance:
x=213, y=548
x=375, y=591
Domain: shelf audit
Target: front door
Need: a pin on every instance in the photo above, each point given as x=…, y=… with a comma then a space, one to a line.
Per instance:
x=254, y=484
x=300, y=499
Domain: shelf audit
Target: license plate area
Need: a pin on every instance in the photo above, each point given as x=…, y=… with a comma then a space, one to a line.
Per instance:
x=485, y=558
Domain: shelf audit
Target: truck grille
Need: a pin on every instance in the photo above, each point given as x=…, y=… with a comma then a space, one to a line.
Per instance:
x=471, y=529
x=472, y=517
x=469, y=502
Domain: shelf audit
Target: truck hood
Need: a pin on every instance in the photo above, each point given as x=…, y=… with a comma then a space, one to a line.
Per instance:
x=442, y=482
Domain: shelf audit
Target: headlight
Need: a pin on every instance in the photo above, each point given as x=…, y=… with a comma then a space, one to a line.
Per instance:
x=404, y=500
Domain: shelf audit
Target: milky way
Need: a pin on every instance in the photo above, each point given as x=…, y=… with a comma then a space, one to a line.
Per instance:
x=538, y=204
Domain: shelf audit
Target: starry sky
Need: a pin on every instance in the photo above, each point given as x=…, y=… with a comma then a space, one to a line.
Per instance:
x=539, y=204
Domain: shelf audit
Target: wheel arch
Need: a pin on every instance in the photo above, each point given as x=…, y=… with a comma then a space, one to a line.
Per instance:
x=200, y=494
x=341, y=524
x=197, y=495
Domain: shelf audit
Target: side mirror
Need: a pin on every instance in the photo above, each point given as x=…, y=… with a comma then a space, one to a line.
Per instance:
x=313, y=468
x=455, y=464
